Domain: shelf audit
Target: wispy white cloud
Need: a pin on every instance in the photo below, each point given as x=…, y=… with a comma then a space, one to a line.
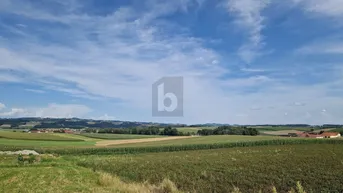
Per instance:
x=52, y=110
x=331, y=8
x=35, y=90
x=2, y=106
x=252, y=70
x=105, y=117
x=249, y=17
x=323, y=47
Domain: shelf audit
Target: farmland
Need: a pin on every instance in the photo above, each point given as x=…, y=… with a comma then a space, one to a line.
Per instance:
x=118, y=136
x=193, y=164
x=35, y=136
x=44, y=143
x=200, y=140
x=67, y=177
x=218, y=170
x=251, y=168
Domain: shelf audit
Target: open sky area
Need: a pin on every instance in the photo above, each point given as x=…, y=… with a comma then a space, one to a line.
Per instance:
x=242, y=61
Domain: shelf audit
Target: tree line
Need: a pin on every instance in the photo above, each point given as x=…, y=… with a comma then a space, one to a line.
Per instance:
x=168, y=131
x=228, y=130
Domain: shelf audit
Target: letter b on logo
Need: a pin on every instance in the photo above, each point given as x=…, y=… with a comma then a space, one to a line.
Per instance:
x=167, y=97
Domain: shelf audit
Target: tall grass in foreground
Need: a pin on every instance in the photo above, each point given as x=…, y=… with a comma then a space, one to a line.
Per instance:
x=133, y=150
x=166, y=186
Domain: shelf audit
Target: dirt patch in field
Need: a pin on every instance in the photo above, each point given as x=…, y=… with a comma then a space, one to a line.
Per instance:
x=127, y=141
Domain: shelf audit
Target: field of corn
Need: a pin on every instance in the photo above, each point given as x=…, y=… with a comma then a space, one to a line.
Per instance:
x=317, y=166
x=84, y=150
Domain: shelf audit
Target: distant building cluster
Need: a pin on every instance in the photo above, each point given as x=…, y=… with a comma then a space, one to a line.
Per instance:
x=322, y=134
x=71, y=131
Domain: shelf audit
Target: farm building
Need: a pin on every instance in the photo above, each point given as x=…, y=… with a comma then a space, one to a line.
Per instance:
x=320, y=135
x=331, y=134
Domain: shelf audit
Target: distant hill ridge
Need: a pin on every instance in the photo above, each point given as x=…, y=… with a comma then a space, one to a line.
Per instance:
x=77, y=123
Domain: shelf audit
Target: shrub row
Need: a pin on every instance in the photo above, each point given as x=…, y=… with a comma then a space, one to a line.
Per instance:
x=133, y=150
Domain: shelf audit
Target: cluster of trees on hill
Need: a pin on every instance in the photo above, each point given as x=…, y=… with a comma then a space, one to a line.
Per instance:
x=228, y=130
x=169, y=131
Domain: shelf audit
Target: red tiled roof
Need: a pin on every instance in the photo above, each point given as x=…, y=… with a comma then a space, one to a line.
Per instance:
x=329, y=134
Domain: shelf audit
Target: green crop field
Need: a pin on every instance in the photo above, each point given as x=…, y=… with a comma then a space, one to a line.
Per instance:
x=118, y=136
x=251, y=169
x=39, y=144
x=200, y=140
x=192, y=129
x=56, y=174
x=317, y=166
x=35, y=136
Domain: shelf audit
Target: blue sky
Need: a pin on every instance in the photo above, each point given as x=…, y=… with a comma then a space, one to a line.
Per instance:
x=243, y=61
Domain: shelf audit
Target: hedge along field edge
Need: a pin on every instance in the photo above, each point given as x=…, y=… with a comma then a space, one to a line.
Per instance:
x=134, y=150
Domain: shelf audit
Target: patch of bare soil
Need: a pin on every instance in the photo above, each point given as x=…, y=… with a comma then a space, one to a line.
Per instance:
x=127, y=141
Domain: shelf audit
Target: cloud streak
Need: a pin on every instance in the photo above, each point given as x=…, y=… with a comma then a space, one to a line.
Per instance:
x=249, y=17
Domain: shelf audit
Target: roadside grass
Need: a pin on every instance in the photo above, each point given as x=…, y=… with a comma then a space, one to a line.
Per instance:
x=118, y=136
x=251, y=169
x=35, y=136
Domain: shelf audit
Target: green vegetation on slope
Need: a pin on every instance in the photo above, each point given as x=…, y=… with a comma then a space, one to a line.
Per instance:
x=59, y=174
x=118, y=136
x=200, y=140
x=35, y=136
x=317, y=166
x=11, y=144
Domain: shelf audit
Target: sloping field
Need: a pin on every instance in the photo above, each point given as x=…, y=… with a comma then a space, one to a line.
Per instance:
x=118, y=136
x=76, y=136
x=138, y=141
x=196, y=140
x=59, y=176
x=44, y=143
x=317, y=166
x=35, y=136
